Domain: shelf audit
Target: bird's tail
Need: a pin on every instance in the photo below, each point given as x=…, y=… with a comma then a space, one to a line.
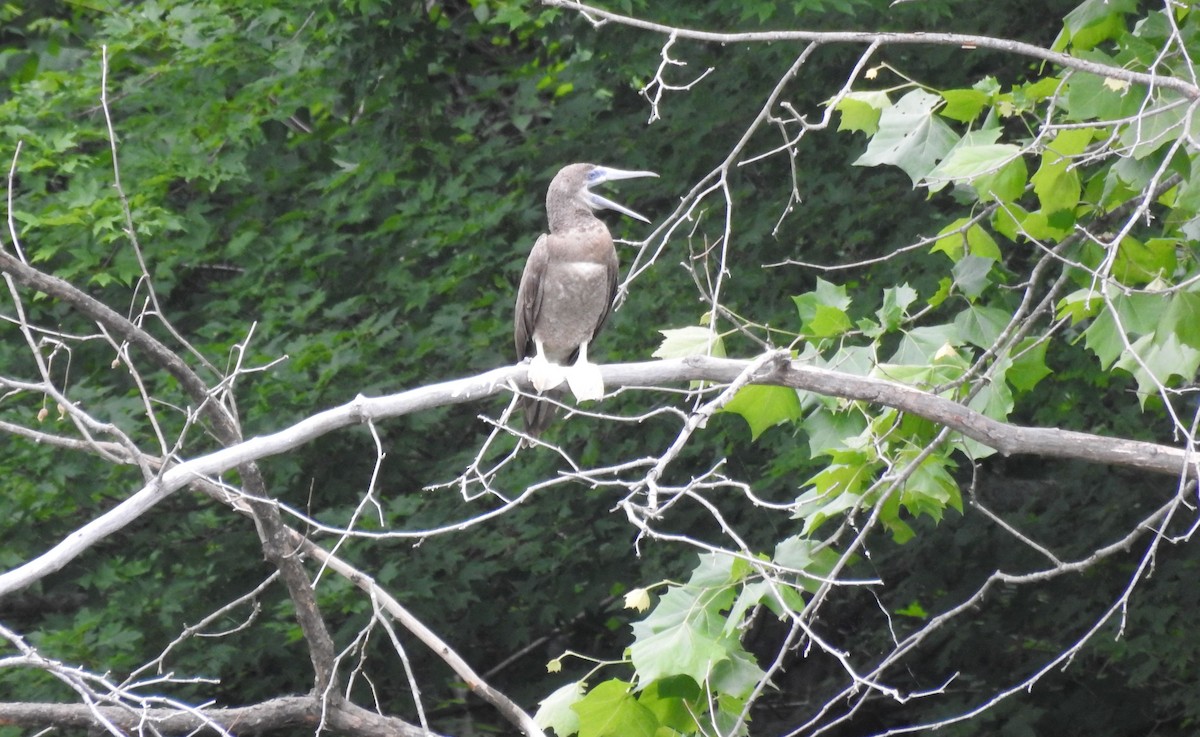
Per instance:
x=539, y=413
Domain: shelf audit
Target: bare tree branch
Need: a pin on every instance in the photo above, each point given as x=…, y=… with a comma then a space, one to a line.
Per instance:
x=286, y=713
x=962, y=40
x=1007, y=438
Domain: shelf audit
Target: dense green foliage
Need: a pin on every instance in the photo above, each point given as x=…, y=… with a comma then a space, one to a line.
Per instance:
x=343, y=196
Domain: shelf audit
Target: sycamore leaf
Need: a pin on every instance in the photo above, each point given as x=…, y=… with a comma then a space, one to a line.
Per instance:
x=737, y=675
x=692, y=648
x=1097, y=20
x=1006, y=185
x=817, y=506
x=1140, y=262
x=1056, y=182
x=930, y=488
x=638, y=599
x=860, y=111
x=981, y=326
x=918, y=345
x=555, y=712
x=610, y=710
x=910, y=136
x=964, y=105
x=965, y=163
x=693, y=340
x=994, y=399
x=827, y=430
x=1104, y=339
x=1162, y=358
x=674, y=703
x=955, y=241
x=823, y=310
x=1158, y=126
x=763, y=407
x=1182, y=317
x=971, y=274
x=896, y=301
x=1029, y=364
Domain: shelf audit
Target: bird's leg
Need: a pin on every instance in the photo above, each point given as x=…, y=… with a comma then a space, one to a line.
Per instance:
x=584, y=378
x=542, y=374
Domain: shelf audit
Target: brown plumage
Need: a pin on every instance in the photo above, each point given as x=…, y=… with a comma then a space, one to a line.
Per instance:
x=567, y=289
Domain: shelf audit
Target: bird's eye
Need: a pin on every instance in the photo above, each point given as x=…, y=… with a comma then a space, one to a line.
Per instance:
x=595, y=175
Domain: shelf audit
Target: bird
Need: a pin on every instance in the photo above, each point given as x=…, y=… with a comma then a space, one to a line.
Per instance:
x=567, y=290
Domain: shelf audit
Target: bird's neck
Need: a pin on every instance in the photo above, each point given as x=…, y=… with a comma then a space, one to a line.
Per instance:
x=579, y=218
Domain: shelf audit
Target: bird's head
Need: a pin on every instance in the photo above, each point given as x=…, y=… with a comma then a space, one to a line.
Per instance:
x=575, y=183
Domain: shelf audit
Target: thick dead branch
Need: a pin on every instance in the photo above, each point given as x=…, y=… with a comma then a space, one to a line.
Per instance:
x=286, y=713
x=600, y=16
x=1006, y=438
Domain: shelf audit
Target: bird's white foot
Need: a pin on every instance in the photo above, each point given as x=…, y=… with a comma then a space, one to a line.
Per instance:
x=544, y=375
x=585, y=381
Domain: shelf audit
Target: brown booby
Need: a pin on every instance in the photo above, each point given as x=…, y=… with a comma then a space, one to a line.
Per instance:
x=567, y=289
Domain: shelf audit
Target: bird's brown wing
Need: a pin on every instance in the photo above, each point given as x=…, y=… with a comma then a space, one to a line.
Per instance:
x=538, y=413
x=612, y=270
x=529, y=298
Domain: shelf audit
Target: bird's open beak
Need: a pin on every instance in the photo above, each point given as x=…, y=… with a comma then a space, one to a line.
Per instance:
x=606, y=174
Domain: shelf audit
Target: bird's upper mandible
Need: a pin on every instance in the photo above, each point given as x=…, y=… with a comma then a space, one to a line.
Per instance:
x=570, y=198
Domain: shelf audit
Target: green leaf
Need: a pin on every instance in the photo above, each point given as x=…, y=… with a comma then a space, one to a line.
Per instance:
x=692, y=647
x=993, y=399
x=1162, y=357
x=693, y=340
x=1182, y=317
x=1007, y=220
x=815, y=507
x=968, y=160
x=1006, y=185
x=964, y=105
x=751, y=595
x=716, y=570
x=1040, y=226
x=828, y=322
x=687, y=634
x=1094, y=97
x=971, y=275
x=945, y=285
x=920, y=345
x=914, y=610
x=737, y=675
x=827, y=430
x=860, y=111
x=1104, y=339
x=1139, y=263
x=763, y=407
x=1097, y=20
x=814, y=557
x=910, y=136
x=957, y=239
x=674, y=702
x=1156, y=127
x=930, y=488
x=896, y=301
x=610, y=710
x=1140, y=312
x=981, y=326
x=948, y=366
x=889, y=515
x=1056, y=182
x=823, y=311
x=556, y=712
x=1029, y=364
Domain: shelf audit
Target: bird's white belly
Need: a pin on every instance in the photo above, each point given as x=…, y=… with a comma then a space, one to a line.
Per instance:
x=575, y=295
